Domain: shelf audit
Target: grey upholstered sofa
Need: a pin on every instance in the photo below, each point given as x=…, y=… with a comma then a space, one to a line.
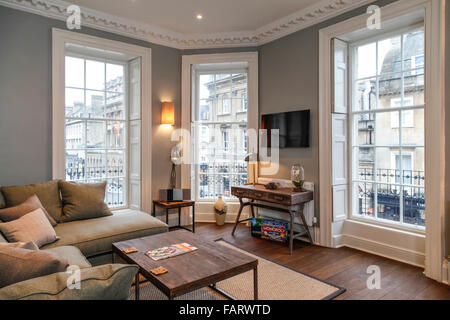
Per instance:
x=88, y=244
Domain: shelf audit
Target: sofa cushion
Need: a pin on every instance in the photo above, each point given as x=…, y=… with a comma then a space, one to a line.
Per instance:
x=18, y=265
x=2, y=200
x=33, y=226
x=72, y=254
x=95, y=236
x=31, y=204
x=83, y=201
x=47, y=192
x=108, y=282
x=21, y=245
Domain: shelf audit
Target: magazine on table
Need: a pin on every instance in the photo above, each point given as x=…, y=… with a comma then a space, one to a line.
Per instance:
x=171, y=251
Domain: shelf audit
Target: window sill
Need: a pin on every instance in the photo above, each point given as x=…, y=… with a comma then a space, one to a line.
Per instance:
x=389, y=226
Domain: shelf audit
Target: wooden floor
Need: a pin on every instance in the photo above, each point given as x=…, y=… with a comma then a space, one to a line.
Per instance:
x=344, y=267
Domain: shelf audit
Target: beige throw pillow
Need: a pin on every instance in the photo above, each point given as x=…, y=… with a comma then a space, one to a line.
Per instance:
x=33, y=226
x=48, y=193
x=21, y=264
x=31, y=204
x=83, y=201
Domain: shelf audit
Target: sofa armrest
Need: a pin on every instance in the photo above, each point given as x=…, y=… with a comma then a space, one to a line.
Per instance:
x=107, y=282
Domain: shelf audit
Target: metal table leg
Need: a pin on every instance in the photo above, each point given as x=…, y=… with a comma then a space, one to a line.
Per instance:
x=302, y=216
x=238, y=216
x=167, y=216
x=255, y=283
x=193, y=218
x=291, y=232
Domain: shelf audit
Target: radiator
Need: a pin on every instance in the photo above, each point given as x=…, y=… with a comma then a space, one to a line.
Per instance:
x=308, y=209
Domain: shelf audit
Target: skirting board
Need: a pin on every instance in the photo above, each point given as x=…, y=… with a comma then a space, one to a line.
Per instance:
x=380, y=249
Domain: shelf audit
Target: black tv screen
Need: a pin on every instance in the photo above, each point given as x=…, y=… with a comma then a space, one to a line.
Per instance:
x=293, y=126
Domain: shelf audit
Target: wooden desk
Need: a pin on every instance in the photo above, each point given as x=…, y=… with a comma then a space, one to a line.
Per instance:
x=291, y=202
x=176, y=205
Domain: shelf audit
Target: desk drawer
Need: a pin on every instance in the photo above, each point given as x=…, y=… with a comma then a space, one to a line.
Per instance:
x=277, y=198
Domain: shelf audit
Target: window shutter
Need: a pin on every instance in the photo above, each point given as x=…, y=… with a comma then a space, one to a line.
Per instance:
x=135, y=134
x=339, y=130
x=340, y=76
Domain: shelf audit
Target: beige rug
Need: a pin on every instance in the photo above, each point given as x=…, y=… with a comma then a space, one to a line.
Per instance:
x=276, y=282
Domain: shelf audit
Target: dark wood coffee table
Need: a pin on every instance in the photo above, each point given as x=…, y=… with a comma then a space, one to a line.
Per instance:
x=204, y=267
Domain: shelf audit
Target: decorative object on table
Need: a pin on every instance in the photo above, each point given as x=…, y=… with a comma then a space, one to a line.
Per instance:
x=174, y=195
x=130, y=250
x=253, y=168
x=171, y=251
x=272, y=186
x=220, y=209
x=159, y=271
x=270, y=229
x=175, y=158
x=298, y=178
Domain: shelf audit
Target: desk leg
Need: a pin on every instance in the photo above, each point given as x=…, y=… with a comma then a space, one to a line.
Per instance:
x=179, y=217
x=253, y=210
x=154, y=210
x=238, y=216
x=302, y=216
x=291, y=232
x=255, y=283
x=167, y=216
x=193, y=218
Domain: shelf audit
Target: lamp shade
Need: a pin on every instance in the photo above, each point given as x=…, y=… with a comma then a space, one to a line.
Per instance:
x=168, y=113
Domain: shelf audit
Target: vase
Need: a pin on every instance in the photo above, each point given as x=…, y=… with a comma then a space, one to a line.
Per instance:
x=298, y=177
x=220, y=208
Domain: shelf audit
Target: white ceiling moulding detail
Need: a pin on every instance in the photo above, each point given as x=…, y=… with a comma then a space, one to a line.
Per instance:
x=321, y=11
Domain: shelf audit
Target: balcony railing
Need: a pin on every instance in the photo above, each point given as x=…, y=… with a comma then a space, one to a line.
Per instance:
x=389, y=195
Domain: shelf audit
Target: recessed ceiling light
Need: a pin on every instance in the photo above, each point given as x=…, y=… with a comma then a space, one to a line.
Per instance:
x=199, y=16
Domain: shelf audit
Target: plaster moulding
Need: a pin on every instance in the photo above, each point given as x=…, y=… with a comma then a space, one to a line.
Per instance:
x=321, y=11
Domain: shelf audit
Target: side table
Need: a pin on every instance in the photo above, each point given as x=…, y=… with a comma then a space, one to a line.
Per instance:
x=176, y=205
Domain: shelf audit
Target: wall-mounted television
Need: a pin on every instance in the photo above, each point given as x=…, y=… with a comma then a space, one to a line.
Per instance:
x=294, y=128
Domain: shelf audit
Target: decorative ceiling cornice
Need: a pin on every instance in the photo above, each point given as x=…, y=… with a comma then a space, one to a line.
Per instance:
x=321, y=11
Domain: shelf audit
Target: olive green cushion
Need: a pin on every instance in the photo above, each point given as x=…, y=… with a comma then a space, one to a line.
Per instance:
x=83, y=201
x=72, y=254
x=108, y=282
x=47, y=192
x=95, y=236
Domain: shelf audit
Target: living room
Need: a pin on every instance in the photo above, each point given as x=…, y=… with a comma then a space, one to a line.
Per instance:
x=185, y=150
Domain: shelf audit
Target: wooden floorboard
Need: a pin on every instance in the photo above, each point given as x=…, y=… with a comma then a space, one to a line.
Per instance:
x=344, y=267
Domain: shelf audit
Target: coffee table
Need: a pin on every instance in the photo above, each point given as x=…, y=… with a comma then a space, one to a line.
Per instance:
x=205, y=267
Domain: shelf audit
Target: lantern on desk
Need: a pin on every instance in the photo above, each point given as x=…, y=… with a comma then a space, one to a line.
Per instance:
x=298, y=177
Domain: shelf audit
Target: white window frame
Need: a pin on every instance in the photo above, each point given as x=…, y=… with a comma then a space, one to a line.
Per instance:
x=204, y=210
x=60, y=38
x=395, y=121
x=331, y=233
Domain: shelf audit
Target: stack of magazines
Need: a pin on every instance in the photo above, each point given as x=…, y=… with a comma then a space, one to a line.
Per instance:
x=171, y=251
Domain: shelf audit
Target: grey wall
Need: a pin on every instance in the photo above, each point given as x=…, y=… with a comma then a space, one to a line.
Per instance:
x=26, y=98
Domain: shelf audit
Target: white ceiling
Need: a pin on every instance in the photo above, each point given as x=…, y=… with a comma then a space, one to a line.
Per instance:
x=219, y=15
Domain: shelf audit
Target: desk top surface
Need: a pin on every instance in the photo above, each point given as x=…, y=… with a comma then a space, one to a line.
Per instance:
x=282, y=195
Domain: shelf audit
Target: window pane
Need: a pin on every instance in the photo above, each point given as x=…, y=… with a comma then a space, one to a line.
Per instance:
x=413, y=127
x=95, y=104
x=415, y=173
x=387, y=130
x=75, y=103
x=95, y=134
x=364, y=196
x=115, y=106
x=414, y=49
x=364, y=158
x=390, y=87
x=74, y=72
x=367, y=61
x=115, y=164
x=75, y=165
x=115, y=136
x=364, y=129
x=95, y=75
x=116, y=192
x=75, y=134
x=414, y=206
x=414, y=90
x=388, y=197
x=389, y=56
x=365, y=95
x=387, y=170
x=95, y=164
x=206, y=86
x=114, y=78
